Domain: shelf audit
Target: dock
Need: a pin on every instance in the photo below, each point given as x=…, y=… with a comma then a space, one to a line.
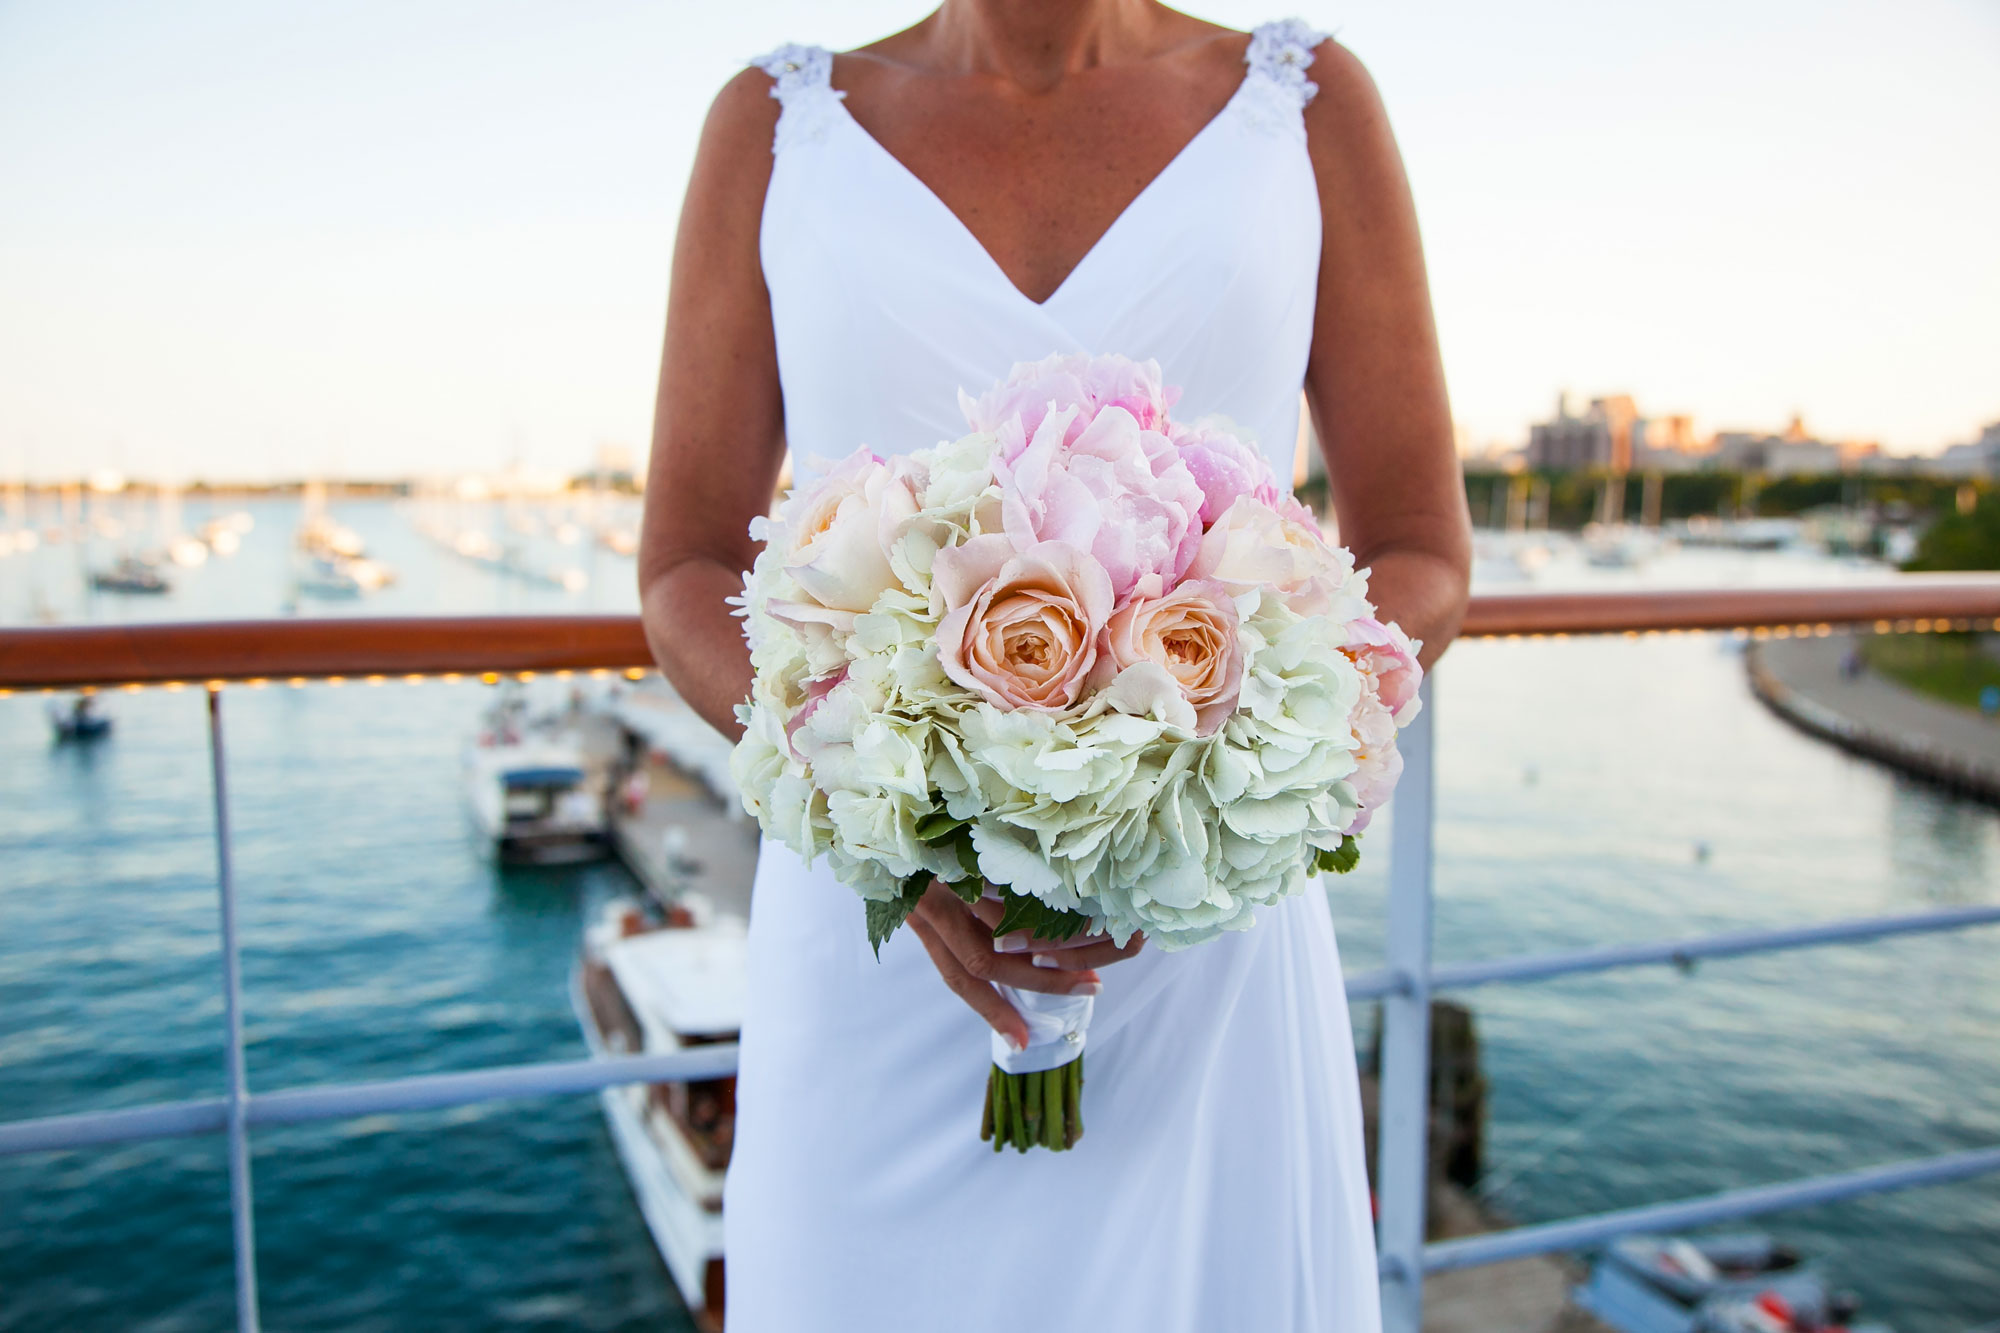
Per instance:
x=679, y=838
x=674, y=819
x=1802, y=680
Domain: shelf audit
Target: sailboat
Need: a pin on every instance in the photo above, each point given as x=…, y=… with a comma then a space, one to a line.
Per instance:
x=333, y=561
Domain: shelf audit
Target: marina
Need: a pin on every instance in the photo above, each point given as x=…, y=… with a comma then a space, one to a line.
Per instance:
x=391, y=944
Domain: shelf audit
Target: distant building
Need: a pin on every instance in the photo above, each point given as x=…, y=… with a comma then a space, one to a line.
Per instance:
x=1667, y=444
x=1609, y=435
x=1569, y=442
x=1981, y=458
x=1794, y=453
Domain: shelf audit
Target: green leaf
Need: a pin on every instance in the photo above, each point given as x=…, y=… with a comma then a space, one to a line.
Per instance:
x=969, y=891
x=884, y=917
x=1341, y=859
x=1020, y=911
x=968, y=856
x=938, y=825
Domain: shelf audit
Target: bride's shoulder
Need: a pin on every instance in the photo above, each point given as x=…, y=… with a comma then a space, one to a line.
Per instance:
x=1344, y=100
x=744, y=113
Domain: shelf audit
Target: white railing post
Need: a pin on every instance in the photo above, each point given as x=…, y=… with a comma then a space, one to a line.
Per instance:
x=1403, y=1119
x=237, y=1092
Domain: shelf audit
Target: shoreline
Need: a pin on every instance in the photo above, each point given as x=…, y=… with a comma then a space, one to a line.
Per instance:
x=1875, y=717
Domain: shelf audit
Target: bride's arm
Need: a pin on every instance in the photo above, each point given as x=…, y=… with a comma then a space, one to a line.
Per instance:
x=718, y=423
x=1374, y=380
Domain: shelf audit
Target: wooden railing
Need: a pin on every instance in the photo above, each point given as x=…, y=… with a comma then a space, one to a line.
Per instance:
x=276, y=650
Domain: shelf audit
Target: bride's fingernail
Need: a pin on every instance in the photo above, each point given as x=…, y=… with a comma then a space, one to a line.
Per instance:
x=1013, y=942
x=1088, y=988
x=1044, y=960
x=1013, y=1042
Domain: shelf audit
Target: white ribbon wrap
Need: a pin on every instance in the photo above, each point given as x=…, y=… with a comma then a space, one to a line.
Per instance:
x=1056, y=1027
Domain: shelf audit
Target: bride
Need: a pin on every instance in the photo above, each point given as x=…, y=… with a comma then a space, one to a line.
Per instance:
x=864, y=234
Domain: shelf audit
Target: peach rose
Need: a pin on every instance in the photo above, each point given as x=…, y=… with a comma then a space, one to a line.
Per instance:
x=1020, y=629
x=1191, y=632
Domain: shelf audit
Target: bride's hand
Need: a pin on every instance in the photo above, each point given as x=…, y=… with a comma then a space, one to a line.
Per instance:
x=960, y=942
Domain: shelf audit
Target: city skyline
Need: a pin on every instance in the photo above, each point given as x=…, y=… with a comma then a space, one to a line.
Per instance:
x=245, y=244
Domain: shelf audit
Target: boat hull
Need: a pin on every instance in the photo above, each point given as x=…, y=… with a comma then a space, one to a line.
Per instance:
x=686, y=1232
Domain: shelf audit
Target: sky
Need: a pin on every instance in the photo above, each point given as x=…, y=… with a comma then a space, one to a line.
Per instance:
x=241, y=240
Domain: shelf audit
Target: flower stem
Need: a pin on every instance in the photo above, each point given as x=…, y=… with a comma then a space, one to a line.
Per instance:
x=1073, y=1100
x=1042, y=1109
x=1053, y=1133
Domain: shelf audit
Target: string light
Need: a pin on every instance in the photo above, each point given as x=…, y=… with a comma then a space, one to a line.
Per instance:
x=1741, y=633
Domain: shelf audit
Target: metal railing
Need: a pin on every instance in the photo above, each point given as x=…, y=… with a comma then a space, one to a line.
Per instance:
x=215, y=655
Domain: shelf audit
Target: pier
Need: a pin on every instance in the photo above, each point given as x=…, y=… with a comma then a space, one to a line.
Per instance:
x=1809, y=681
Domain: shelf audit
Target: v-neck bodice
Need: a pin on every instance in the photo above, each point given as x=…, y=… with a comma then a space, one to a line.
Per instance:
x=885, y=304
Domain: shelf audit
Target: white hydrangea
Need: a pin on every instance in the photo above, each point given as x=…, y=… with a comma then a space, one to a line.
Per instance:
x=854, y=735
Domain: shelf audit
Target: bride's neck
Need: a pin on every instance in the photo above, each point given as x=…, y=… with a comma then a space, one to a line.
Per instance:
x=1034, y=43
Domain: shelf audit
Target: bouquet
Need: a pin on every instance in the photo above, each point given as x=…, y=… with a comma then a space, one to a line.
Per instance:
x=1087, y=659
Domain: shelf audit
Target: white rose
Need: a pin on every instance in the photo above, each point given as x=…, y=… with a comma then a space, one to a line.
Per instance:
x=1253, y=546
x=839, y=530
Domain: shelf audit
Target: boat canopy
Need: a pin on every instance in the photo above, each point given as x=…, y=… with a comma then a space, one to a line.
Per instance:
x=542, y=777
x=683, y=982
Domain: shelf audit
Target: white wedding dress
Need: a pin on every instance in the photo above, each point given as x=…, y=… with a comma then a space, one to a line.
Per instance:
x=1220, y=1183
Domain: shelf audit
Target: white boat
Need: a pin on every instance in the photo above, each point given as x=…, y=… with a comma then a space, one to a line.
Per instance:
x=650, y=984
x=1743, y=1283
x=131, y=574
x=326, y=578
x=534, y=794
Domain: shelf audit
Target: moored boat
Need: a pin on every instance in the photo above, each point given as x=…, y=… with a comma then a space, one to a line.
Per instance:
x=130, y=574
x=1745, y=1283
x=534, y=793
x=78, y=719
x=652, y=980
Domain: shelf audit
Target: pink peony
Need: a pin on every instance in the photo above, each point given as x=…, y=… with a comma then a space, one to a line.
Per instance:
x=1378, y=763
x=1225, y=467
x=1135, y=508
x=1015, y=408
x=1020, y=629
x=1386, y=655
x=1191, y=633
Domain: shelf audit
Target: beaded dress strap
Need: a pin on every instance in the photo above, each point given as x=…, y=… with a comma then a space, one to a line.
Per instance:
x=1276, y=89
x=802, y=83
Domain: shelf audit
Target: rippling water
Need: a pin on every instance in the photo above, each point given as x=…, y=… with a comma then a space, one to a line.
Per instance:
x=1581, y=783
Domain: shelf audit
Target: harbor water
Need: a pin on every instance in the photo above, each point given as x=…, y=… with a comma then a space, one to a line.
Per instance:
x=1590, y=791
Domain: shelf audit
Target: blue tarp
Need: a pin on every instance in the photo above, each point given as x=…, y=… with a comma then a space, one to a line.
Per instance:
x=543, y=777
